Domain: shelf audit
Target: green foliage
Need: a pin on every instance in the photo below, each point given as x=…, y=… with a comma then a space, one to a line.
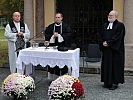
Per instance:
x=3, y=52
x=2, y=34
x=3, y=48
x=11, y=6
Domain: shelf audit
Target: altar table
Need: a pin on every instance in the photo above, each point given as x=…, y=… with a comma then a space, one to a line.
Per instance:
x=51, y=57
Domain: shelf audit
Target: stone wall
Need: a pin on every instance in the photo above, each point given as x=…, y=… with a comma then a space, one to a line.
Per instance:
x=129, y=56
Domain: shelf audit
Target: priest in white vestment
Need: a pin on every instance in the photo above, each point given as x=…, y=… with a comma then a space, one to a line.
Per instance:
x=13, y=30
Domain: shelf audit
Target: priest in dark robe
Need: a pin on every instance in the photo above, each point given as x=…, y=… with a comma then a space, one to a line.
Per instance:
x=113, y=52
x=59, y=34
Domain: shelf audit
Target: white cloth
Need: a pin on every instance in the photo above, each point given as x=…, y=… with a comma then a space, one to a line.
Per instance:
x=60, y=39
x=11, y=44
x=49, y=57
x=110, y=26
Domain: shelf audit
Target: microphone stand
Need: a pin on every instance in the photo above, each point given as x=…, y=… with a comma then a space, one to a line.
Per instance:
x=28, y=44
x=40, y=33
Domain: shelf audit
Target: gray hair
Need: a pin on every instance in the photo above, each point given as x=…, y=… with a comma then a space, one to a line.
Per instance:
x=116, y=13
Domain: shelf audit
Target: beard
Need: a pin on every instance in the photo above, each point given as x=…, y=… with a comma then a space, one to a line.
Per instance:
x=111, y=19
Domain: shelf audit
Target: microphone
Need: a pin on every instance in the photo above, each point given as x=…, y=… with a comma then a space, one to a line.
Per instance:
x=37, y=35
x=28, y=44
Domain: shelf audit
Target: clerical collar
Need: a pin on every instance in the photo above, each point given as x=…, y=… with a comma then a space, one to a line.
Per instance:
x=110, y=25
x=58, y=25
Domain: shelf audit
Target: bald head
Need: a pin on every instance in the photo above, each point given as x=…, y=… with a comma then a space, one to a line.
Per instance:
x=16, y=17
x=113, y=15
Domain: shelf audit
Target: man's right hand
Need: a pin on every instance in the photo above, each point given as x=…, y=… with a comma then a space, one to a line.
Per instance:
x=20, y=34
x=55, y=34
x=105, y=44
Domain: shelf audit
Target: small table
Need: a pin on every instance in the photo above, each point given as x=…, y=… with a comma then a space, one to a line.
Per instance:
x=51, y=57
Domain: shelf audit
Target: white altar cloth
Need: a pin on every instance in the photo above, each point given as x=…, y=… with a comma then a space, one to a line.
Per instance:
x=49, y=57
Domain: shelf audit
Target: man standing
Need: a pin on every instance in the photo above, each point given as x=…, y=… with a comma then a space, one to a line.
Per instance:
x=17, y=34
x=112, y=66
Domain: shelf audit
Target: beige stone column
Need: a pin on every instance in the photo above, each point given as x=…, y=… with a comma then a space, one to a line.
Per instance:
x=29, y=15
x=39, y=15
x=49, y=11
x=128, y=21
x=119, y=8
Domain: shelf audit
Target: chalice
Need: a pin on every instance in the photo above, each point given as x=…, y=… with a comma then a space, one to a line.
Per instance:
x=46, y=43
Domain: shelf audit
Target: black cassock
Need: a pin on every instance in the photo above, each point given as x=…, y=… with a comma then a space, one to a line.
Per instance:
x=113, y=56
x=66, y=32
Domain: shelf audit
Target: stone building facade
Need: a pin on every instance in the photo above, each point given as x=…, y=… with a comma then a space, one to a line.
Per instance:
x=38, y=14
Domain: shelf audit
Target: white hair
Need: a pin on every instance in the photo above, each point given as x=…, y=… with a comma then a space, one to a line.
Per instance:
x=115, y=12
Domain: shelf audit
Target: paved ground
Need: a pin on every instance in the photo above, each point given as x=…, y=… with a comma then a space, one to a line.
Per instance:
x=93, y=87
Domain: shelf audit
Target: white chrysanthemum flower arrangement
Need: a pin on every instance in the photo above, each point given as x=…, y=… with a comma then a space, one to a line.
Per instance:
x=18, y=85
x=66, y=87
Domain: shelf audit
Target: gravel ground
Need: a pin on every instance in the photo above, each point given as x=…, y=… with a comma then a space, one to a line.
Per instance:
x=93, y=87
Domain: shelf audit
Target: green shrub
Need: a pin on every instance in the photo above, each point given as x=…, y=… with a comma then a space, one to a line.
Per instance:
x=3, y=48
x=2, y=34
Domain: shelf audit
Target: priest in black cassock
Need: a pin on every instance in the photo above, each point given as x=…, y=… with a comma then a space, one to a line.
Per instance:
x=59, y=34
x=113, y=52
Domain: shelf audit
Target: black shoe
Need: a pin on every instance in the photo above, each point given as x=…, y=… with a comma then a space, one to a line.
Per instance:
x=107, y=86
x=114, y=86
